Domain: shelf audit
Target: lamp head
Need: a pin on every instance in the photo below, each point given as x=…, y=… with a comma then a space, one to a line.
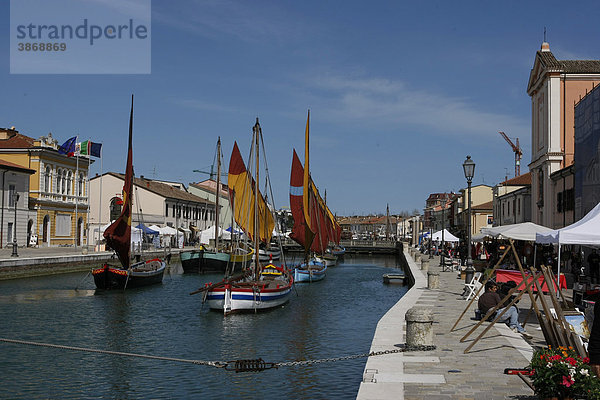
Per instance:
x=469, y=169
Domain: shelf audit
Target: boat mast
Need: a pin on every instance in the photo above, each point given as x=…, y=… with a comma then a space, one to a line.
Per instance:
x=305, y=193
x=256, y=132
x=387, y=223
x=218, y=194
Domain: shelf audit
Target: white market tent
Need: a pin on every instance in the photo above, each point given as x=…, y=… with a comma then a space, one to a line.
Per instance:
x=448, y=237
x=586, y=231
x=524, y=231
x=136, y=236
x=209, y=233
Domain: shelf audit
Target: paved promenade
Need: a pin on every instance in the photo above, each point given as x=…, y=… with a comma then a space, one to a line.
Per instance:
x=447, y=373
x=33, y=261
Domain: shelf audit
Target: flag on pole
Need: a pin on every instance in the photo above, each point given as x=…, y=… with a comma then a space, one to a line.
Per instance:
x=68, y=147
x=82, y=148
x=89, y=148
x=95, y=149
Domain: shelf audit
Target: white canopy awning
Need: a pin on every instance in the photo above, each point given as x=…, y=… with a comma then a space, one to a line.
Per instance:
x=523, y=231
x=586, y=231
x=209, y=233
x=448, y=237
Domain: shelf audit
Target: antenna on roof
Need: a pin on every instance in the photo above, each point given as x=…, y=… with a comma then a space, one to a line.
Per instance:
x=544, y=34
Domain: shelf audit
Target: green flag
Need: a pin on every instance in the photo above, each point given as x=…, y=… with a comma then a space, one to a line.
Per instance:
x=84, y=148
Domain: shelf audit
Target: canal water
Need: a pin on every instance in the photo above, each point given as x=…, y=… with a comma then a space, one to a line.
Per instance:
x=327, y=319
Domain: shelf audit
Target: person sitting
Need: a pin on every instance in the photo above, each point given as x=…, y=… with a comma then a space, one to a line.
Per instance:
x=491, y=299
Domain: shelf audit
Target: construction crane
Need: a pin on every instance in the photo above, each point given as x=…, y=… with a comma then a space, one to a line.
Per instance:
x=517, y=150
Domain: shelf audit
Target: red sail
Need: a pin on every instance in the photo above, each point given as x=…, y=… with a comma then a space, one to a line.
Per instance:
x=318, y=240
x=118, y=234
x=299, y=231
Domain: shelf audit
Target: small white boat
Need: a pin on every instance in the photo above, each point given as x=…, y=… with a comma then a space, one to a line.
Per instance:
x=394, y=278
x=272, y=289
x=329, y=260
x=314, y=271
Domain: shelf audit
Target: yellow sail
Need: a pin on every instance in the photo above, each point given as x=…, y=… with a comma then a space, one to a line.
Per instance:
x=241, y=188
x=305, y=197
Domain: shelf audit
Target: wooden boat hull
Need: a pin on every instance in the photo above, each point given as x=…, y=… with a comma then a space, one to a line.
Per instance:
x=241, y=261
x=338, y=251
x=315, y=271
x=328, y=260
x=269, y=255
x=249, y=296
x=215, y=261
x=192, y=261
x=139, y=274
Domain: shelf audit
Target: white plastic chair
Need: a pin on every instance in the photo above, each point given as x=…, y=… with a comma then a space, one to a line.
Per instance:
x=472, y=287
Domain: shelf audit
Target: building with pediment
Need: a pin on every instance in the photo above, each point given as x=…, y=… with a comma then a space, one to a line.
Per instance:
x=57, y=190
x=554, y=87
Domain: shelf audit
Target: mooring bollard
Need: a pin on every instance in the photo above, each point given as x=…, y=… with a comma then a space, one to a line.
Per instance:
x=411, y=251
x=418, y=258
x=433, y=280
x=419, y=323
x=425, y=265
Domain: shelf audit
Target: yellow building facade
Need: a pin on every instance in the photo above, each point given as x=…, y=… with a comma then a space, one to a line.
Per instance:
x=58, y=190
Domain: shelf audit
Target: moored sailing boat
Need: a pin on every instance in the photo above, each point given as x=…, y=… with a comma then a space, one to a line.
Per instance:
x=191, y=260
x=314, y=224
x=259, y=287
x=118, y=237
x=209, y=259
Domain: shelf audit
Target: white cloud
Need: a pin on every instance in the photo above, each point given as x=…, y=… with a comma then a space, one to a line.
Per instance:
x=242, y=20
x=384, y=102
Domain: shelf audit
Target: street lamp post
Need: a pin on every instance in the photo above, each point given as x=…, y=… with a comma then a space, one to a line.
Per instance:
x=469, y=170
x=14, y=251
x=431, y=219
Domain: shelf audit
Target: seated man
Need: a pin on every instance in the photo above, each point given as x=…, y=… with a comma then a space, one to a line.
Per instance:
x=490, y=299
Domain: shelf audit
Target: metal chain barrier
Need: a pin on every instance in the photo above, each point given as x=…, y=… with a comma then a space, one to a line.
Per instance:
x=351, y=357
x=255, y=365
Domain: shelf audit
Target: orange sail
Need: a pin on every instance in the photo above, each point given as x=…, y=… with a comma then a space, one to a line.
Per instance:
x=241, y=189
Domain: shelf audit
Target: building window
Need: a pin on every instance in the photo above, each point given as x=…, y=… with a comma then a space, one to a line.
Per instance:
x=63, y=225
x=63, y=182
x=167, y=210
x=519, y=206
x=80, y=185
x=174, y=213
x=47, y=180
x=9, y=231
x=569, y=200
x=12, y=192
x=57, y=186
x=115, y=208
x=69, y=182
x=565, y=201
x=540, y=188
x=559, y=202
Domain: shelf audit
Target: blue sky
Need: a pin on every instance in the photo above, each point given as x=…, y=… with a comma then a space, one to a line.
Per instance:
x=399, y=92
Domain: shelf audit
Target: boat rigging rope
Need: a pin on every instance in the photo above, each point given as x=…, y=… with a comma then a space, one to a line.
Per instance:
x=217, y=364
x=254, y=365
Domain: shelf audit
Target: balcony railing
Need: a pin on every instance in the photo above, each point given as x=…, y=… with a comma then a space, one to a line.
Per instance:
x=63, y=198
